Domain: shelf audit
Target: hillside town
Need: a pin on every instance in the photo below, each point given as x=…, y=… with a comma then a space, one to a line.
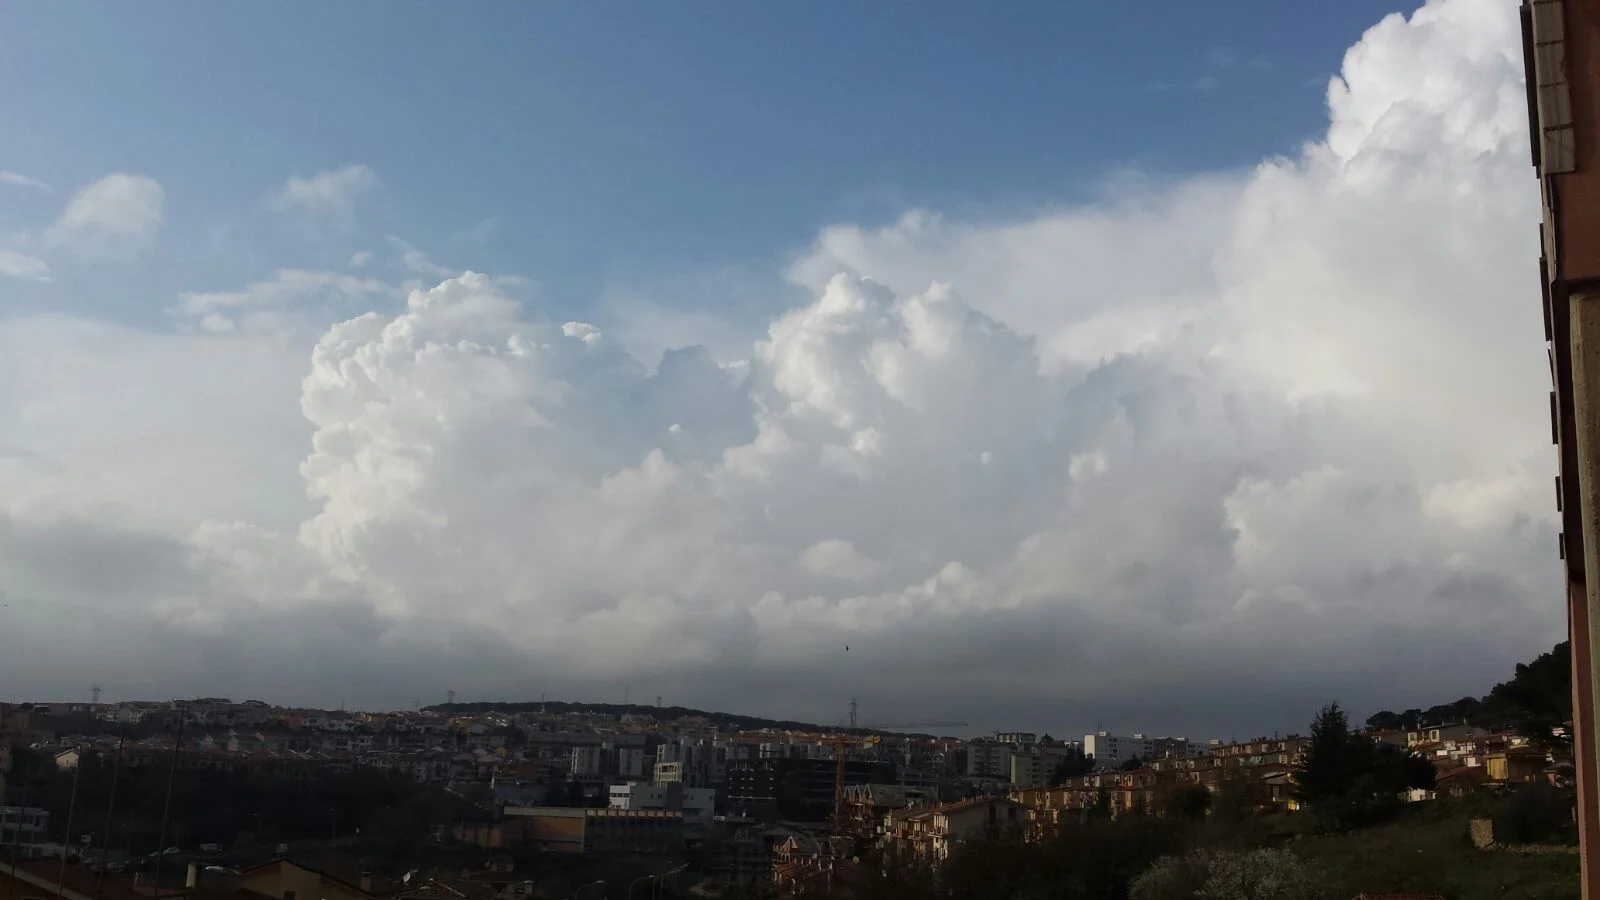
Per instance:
x=772, y=810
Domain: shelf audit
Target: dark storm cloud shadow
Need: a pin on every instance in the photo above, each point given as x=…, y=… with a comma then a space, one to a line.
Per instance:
x=89, y=560
x=1060, y=665
x=1063, y=669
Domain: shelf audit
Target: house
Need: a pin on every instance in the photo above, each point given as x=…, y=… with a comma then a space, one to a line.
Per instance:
x=865, y=805
x=283, y=879
x=1518, y=766
x=930, y=833
x=1434, y=734
x=1458, y=781
x=803, y=861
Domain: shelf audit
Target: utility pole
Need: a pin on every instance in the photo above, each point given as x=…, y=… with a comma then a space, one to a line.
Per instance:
x=1561, y=53
x=66, y=836
x=166, y=805
x=111, y=808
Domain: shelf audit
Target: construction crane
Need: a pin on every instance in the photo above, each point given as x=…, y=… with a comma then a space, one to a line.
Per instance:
x=840, y=742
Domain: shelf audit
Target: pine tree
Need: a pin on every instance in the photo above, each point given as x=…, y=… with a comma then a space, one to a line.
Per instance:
x=1325, y=771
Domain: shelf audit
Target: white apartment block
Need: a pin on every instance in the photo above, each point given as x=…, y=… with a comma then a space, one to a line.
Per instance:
x=1112, y=750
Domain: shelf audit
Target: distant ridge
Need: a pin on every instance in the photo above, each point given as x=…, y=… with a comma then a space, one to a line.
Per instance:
x=723, y=721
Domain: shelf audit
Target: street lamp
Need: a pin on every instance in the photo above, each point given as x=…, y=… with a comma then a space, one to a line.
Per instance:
x=579, y=892
x=658, y=888
x=635, y=882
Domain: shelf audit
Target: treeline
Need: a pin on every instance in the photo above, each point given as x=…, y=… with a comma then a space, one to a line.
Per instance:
x=1536, y=699
x=722, y=720
x=389, y=810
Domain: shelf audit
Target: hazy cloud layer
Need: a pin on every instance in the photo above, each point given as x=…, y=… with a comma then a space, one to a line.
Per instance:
x=326, y=200
x=117, y=217
x=1196, y=457
x=19, y=180
x=20, y=265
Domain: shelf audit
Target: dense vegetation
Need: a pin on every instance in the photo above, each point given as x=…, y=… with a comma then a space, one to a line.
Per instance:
x=1536, y=699
x=1349, y=779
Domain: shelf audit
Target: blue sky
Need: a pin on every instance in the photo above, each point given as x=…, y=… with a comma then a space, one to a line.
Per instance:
x=583, y=144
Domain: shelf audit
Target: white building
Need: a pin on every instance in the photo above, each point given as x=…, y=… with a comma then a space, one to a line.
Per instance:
x=698, y=805
x=1112, y=750
x=588, y=761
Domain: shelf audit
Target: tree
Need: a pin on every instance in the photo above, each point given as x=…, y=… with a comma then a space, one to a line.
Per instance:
x=1537, y=698
x=1385, y=720
x=1072, y=765
x=1352, y=779
x=1325, y=771
x=1191, y=801
x=1131, y=765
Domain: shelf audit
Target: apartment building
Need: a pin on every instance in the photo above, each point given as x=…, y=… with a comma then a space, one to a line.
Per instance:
x=562, y=829
x=1036, y=767
x=796, y=789
x=23, y=825
x=1112, y=750
x=987, y=758
x=698, y=805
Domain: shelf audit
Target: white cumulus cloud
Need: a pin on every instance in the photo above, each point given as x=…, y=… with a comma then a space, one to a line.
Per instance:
x=1208, y=453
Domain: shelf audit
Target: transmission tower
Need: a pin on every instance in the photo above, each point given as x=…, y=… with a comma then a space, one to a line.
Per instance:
x=94, y=695
x=450, y=697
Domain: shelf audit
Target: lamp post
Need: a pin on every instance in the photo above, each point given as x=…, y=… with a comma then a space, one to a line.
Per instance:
x=579, y=892
x=636, y=882
x=658, y=888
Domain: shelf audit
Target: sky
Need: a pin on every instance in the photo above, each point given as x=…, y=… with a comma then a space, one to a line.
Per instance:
x=1067, y=366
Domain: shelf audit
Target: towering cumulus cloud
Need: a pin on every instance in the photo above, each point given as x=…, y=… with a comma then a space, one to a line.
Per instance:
x=1200, y=455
